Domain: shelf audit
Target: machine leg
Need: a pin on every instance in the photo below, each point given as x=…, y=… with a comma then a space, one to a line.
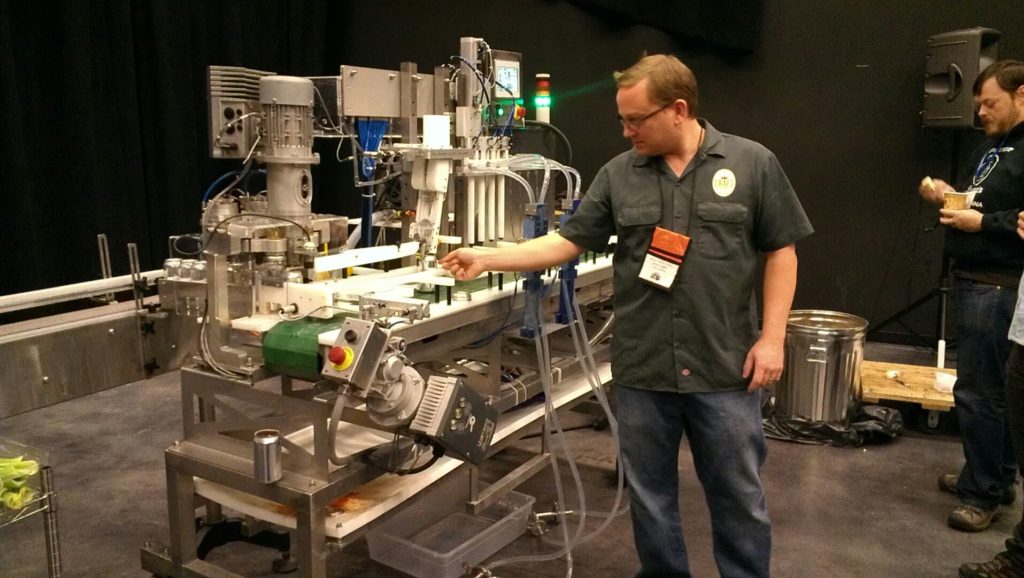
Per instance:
x=311, y=547
x=181, y=517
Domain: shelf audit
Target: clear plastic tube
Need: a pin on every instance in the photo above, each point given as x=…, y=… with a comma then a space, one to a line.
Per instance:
x=587, y=362
x=583, y=345
x=537, y=162
x=556, y=434
x=478, y=170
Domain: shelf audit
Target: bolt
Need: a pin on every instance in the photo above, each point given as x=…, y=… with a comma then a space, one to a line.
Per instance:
x=46, y=379
x=312, y=483
x=110, y=331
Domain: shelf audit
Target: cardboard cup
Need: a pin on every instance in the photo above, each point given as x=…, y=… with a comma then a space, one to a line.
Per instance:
x=956, y=201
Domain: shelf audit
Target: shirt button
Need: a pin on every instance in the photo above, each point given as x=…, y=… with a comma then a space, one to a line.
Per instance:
x=686, y=373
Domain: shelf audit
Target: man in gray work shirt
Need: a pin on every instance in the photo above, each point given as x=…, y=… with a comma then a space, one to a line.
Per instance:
x=693, y=209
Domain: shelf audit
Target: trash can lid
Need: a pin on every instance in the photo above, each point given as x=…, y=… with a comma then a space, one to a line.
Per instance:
x=826, y=321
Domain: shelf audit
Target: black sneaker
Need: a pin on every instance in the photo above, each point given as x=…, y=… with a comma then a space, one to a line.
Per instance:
x=999, y=567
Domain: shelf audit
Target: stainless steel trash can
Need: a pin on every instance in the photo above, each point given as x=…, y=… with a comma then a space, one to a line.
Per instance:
x=821, y=378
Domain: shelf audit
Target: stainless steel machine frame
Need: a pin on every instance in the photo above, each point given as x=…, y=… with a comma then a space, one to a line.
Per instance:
x=308, y=484
x=259, y=268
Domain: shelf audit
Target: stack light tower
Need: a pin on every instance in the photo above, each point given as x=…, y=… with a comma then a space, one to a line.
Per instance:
x=542, y=101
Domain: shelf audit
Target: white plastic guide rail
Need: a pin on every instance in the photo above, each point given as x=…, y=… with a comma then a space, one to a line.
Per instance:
x=363, y=256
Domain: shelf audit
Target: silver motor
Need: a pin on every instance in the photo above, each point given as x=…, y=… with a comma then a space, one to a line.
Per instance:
x=286, y=103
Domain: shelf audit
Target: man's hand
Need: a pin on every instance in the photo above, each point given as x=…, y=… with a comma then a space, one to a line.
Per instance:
x=933, y=190
x=1020, y=225
x=464, y=263
x=967, y=220
x=764, y=361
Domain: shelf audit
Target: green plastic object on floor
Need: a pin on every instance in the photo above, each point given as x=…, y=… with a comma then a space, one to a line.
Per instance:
x=291, y=347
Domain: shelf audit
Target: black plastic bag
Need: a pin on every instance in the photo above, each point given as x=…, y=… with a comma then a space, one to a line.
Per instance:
x=870, y=424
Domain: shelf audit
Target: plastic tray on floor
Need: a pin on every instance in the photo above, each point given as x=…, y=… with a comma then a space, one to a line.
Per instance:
x=436, y=538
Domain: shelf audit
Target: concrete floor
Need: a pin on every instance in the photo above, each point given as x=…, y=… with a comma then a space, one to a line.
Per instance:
x=872, y=511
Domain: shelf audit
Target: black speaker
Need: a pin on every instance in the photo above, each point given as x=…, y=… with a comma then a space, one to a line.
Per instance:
x=953, y=63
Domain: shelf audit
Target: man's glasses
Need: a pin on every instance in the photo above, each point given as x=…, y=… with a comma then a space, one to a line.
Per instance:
x=634, y=123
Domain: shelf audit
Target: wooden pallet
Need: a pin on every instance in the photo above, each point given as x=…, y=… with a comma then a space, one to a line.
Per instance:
x=919, y=386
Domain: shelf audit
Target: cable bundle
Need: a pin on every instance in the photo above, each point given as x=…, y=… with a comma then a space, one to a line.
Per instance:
x=371, y=133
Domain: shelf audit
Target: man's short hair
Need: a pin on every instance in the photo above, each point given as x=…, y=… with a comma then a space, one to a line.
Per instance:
x=1009, y=75
x=668, y=79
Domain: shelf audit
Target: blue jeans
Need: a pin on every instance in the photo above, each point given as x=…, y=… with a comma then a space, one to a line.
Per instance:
x=728, y=446
x=1015, y=412
x=983, y=314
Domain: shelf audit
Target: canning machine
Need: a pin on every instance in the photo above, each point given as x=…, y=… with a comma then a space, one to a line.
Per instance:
x=337, y=371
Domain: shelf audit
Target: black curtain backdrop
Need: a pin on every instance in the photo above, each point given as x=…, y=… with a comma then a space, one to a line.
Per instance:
x=103, y=117
x=103, y=112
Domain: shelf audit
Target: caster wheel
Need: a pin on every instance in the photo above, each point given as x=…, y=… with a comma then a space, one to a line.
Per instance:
x=284, y=564
x=933, y=422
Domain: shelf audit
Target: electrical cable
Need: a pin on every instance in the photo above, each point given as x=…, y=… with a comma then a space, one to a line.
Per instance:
x=505, y=323
x=371, y=133
x=253, y=149
x=262, y=215
x=384, y=179
x=437, y=452
x=245, y=181
x=218, y=181
x=561, y=135
x=332, y=432
x=327, y=111
x=228, y=125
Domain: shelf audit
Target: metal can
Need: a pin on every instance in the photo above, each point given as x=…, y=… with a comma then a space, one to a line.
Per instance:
x=266, y=456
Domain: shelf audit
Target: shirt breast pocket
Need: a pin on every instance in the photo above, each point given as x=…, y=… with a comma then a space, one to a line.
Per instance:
x=721, y=229
x=635, y=228
x=630, y=219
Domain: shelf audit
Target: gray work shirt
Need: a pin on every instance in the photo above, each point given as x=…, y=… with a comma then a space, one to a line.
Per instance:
x=733, y=200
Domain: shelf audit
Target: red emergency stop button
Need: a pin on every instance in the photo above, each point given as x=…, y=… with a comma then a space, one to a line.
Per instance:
x=520, y=112
x=338, y=355
x=341, y=357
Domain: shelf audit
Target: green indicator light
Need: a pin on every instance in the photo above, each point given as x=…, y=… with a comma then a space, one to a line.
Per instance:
x=542, y=101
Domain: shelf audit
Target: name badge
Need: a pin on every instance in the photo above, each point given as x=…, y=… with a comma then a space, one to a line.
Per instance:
x=664, y=256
